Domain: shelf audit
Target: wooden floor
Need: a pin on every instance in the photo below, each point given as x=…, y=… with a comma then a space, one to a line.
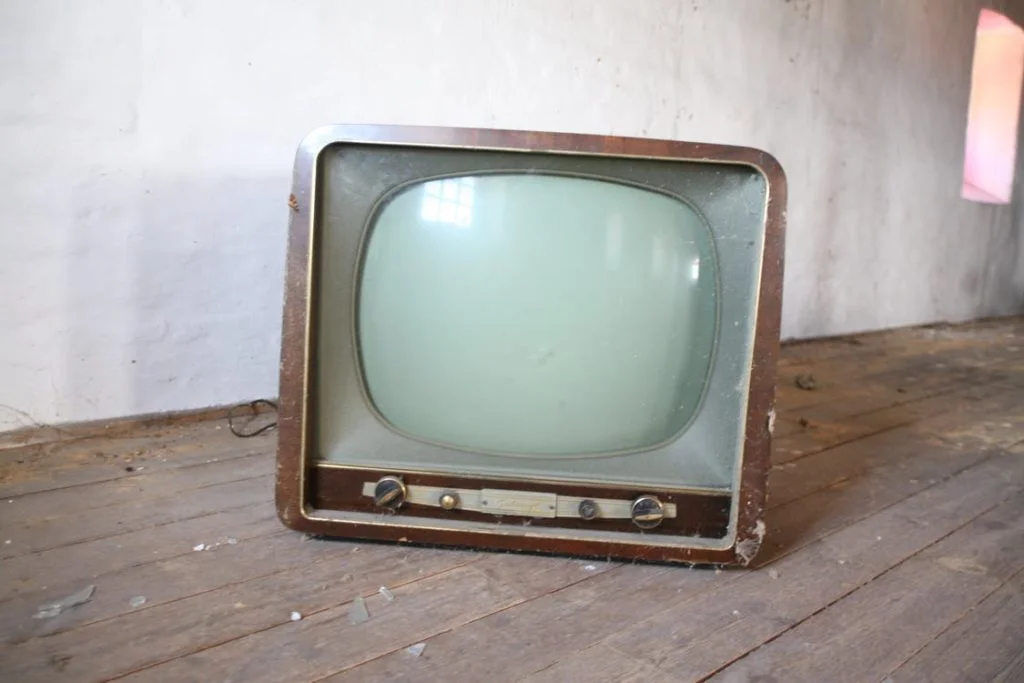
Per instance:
x=895, y=550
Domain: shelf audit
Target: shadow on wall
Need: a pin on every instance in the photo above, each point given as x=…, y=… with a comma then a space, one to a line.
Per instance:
x=1015, y=238
x=998, y=286
x=173, y=294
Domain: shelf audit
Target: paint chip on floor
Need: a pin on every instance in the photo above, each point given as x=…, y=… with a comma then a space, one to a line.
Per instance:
x=358, y=613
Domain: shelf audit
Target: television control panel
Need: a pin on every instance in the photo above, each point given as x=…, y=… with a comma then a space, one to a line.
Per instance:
x=645, y=511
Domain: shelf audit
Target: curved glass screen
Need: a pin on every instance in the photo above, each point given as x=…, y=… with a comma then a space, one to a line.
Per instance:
x=537, y=315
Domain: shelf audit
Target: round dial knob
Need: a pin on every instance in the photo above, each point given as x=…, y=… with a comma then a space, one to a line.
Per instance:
x=647, y=512
x=588, y=509
x=389, y=493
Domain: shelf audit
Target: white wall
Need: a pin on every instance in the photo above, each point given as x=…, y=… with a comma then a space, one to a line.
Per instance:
x=146, y=149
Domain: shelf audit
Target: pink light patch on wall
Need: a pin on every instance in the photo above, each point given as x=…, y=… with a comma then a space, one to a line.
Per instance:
x=990, y=155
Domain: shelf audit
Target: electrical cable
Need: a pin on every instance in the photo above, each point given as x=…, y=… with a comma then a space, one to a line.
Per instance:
x=254, y=406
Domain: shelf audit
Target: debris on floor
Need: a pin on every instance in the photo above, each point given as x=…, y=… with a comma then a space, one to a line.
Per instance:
x=417, y=649
x=296, y=616
x=773, y=573
x=52, y=609
x=589, y=568
x=388, y=595
x=60, y=662
x=357, y=613
x=806, y=382
x=963, y=564
x=230, y=540
x=137, y=601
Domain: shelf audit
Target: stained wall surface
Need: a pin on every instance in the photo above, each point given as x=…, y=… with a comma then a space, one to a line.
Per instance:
x=147, y=148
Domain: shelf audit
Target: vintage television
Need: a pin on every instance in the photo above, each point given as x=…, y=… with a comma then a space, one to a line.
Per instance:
x=531, y=341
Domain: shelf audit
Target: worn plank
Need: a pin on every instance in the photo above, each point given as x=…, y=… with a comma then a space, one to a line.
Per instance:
x=85, y=561
x=845, y=462
x=525, y=638
x=964, y=344
x=181, y=627
x=535, y=575
x=1012, y=672
x=328, y=641
x=141, y=514
x=162, y=581
x=597, y=663
x=792, y=481
x=978, y=647
x=985, y=645
x=820, y=434
x=724, y=624
x=1000, y=425
x=872, y=630
x=792, y=525
x=926, y=379
x=142, y=483
x=906, y=355
x=61, y=465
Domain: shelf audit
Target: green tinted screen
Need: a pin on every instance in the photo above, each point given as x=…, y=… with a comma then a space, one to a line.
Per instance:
x=537, y=315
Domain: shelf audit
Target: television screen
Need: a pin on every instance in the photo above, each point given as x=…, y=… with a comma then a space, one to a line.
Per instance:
x=524, y=341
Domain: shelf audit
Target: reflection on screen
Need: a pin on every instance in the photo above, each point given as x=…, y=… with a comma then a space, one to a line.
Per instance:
x=536, y=315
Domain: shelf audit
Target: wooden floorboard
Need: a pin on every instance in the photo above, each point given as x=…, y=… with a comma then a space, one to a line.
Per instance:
x=52, y=466
x=870, y=632
x=894, y=550
x=598, y=663
x=980, y=645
